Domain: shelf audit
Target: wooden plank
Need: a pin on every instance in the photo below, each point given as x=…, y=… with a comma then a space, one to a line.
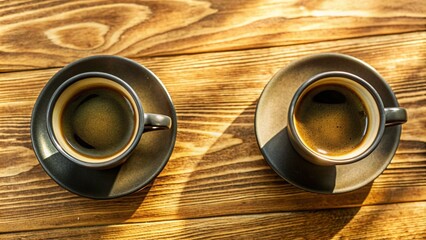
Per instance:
x=392, y=221
x=43, y=34
x=216, y=168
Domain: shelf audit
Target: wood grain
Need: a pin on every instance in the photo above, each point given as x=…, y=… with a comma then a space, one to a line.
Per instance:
x=392, y=221
x=43, y=34
x=216, y=168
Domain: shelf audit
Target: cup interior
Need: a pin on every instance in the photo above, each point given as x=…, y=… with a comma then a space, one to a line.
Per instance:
x=67, y=95
x=371, y=108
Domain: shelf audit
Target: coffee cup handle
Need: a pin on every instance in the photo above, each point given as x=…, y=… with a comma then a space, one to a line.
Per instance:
x=154, y=122
x=395, y=116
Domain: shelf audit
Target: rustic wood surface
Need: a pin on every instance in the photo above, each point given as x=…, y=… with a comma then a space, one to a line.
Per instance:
x=42, y=34
x=402, y=220
x=214, y=57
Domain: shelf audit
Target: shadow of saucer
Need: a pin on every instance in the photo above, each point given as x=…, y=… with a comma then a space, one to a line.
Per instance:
x=59, y=207
x=233, y=179
x=94, y=183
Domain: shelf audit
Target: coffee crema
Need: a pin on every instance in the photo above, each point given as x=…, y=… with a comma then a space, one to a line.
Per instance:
x=331, y=119
x=98, y=122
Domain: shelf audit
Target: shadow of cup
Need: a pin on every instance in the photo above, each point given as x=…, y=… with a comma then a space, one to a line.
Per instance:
x=232, y=178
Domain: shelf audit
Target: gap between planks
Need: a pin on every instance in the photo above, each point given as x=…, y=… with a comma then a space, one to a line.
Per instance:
x=220, y=51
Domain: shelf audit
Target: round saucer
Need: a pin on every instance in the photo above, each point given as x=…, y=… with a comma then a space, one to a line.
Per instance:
x=271, y=128
x=148, y=158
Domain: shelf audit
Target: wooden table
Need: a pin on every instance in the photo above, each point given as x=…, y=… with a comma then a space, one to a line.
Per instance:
x=214, y=57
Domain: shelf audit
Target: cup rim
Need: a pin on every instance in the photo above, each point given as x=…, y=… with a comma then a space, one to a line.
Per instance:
x=102, y=164
x=311, y=155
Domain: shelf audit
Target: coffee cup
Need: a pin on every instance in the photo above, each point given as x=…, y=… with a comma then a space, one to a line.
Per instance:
x=338, y=118
x=96, y=120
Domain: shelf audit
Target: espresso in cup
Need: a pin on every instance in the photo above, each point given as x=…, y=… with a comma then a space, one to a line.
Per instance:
x=96, y=120
x=338, y=118
x=331, y=119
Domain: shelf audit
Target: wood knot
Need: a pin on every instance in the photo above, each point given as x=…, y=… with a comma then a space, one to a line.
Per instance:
x=79, y=36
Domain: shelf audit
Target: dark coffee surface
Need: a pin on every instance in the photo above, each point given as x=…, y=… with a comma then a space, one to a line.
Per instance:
x=331, y=119
x=98, y=122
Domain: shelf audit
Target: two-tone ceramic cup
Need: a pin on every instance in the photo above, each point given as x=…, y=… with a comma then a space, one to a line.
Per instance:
x=338, y=118
x=96, y=120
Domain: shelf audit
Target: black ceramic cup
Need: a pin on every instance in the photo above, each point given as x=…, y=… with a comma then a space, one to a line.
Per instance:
x=96, y=120
x=343, y=121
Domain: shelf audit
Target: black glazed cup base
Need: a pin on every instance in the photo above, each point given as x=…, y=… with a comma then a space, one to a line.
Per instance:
x=146, y=161
x=272, y=135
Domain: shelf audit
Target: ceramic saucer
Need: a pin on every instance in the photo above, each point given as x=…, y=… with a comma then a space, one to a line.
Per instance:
x=147, y=160
x=271, y=124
